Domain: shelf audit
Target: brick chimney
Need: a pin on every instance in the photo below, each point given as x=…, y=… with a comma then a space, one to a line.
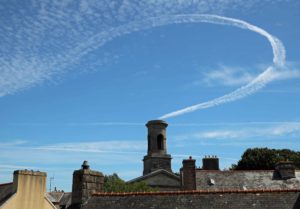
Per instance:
x=85, y=183
x=210, y=163
x=188, y=174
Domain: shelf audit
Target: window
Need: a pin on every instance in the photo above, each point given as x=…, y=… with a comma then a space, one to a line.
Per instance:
x=160, y=142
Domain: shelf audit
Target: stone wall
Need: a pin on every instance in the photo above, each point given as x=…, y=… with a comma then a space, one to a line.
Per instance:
x=280, y=199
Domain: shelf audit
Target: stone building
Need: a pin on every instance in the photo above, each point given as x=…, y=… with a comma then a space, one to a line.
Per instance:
x=209, y=177
x=157, y=163
x=197, y=187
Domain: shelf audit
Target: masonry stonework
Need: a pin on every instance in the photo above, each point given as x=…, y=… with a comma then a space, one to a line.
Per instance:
x=157, y=157
x=188, y=174
x=85, y=183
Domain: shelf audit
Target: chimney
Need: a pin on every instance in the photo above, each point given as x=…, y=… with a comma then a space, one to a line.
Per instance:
x=30, y=186
x=285, y=169
x=85, y=183
x=188, y=174
x=210, y=163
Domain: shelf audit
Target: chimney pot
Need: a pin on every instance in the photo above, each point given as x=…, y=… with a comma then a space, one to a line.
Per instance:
x=85, y=165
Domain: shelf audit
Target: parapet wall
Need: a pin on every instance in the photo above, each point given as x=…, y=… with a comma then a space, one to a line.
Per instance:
x=255, y=199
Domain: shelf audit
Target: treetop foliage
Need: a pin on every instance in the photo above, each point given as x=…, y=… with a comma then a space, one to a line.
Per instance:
x=113, y=183
x=266, y=159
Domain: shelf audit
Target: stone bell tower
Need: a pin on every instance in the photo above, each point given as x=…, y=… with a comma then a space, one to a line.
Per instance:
x=157, y=157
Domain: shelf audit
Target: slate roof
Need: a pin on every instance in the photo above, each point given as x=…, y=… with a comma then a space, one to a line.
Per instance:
x=256, y=179
x=6, y=191
x=54, y=197
x=60, y=198
x=233, y=199
x=66, y=199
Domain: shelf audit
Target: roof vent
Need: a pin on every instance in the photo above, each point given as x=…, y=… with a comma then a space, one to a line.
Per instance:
x=211, y=182
x=285, y=169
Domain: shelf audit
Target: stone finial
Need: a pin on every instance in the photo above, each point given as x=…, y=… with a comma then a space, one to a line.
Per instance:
x=85, y=165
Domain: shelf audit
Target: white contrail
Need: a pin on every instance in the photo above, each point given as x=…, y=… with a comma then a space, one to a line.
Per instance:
x=260, y=81
x=100, y=39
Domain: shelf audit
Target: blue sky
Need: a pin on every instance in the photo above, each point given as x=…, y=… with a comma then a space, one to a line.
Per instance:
x=79, y=79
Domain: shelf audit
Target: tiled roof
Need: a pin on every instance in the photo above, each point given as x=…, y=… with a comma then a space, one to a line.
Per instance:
x=190, y=192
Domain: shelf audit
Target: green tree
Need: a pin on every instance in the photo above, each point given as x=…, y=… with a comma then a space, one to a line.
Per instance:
x=113, y=183
x=265, y=158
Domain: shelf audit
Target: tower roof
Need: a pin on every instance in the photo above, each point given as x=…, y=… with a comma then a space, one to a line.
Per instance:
x=156, y=122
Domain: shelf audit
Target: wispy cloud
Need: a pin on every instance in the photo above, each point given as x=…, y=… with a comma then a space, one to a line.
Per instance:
x=12, y=143
x=290, y=71
x=9, y=167
x=43, y=44
x=261, y=132
x=38, y=37
x=232, y=76
x=80, y=124
x=63, y=158
x=226, y=76
x=120, y=147
x=107, y=124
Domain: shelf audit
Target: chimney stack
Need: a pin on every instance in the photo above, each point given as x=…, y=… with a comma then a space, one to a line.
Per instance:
x=85, y=183
x=210, y=163
x=188, y=174
x=30, y=186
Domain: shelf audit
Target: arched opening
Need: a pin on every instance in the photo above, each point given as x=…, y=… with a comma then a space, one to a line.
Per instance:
x=149, y=143
x=160, y=142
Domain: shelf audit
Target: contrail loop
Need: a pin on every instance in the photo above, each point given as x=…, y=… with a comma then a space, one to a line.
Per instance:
x=259, y=82
x=100, y=39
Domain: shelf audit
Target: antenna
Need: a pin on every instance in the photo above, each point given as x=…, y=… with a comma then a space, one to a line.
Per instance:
x=51, y=179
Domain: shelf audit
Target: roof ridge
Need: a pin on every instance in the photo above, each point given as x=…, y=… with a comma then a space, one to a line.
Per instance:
x=153, y=173
x=4, y=184
x=188, y=192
